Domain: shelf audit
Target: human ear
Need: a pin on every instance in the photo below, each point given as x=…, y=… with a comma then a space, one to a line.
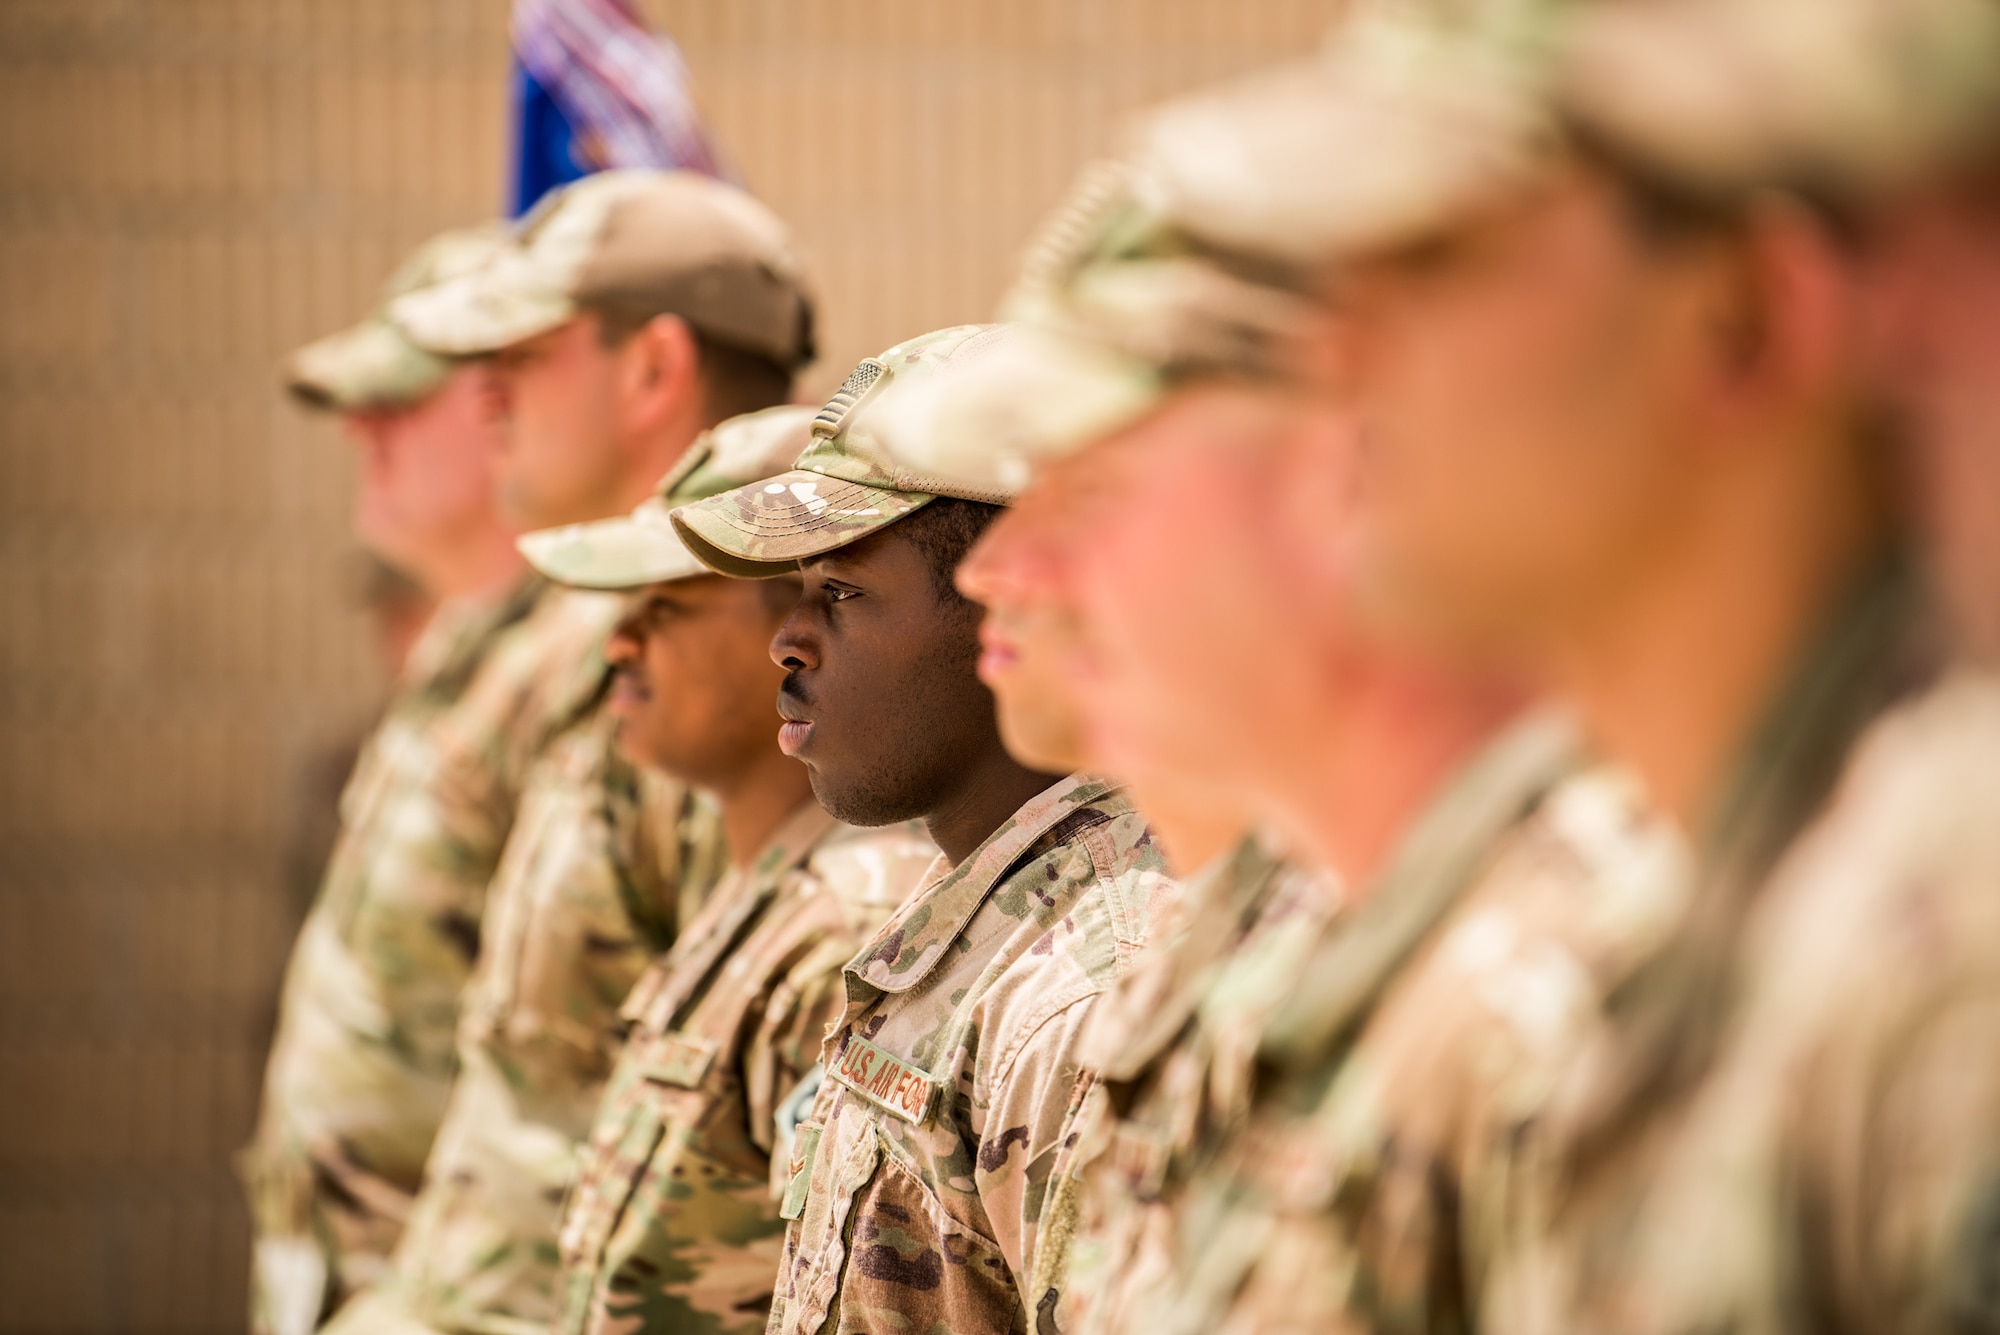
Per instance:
x=659, y=376
x=1790, y=320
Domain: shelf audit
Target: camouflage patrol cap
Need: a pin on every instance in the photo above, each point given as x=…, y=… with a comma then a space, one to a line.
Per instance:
x=372, y=365
x=643, y=547
x=1839, y=98
x=846, y=484
x=636, y=242
x=1206, y=249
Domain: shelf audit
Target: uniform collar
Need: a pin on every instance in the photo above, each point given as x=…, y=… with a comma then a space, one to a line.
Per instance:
x=793, y=841
x=912, y=943
x=462, y=630
x=741, y=897
x=1435, y=862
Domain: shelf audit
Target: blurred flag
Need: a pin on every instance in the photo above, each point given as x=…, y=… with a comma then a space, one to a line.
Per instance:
x=595, y=88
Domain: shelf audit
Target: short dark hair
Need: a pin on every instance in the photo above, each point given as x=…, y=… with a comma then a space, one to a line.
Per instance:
x=734, y=380
x=1667, y=209
x=944, y=531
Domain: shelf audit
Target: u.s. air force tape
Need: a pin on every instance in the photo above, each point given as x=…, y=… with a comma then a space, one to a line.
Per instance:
x=886, y=1080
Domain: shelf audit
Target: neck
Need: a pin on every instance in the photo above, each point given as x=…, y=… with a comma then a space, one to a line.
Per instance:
x=1406, y=728
x=1683, y=665
x=1194, y=825
x=758, y=800
x=652, y=456
x=993, y=787
x=483, y=565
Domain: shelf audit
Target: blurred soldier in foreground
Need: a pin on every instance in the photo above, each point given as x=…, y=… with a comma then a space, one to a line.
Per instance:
x=917, y=1186
x=632, y=312
x=363, y=1058
x=673, y=1221
x=1608, y=364
x=397, y=610
x=1310, y=1089
x=1800, y=1127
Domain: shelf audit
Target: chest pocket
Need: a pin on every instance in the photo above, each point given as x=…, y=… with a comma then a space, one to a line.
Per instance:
x=561, y=950
x=876, y=1251
x=912, y=1266
x=607, y=1180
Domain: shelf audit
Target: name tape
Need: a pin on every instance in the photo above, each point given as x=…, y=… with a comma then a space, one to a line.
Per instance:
x=677, y=1059
x=886, y=1080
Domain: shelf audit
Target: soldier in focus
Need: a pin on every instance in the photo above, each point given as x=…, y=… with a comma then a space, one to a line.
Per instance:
x=631, y=312
x=673, y=1220
x=363, y=1058
x=918, y=1181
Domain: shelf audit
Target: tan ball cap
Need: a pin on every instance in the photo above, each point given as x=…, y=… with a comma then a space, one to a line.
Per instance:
x=845, y=484
x=1206, y=249
x=372, y=365
x=643, y=547
x=641, y=243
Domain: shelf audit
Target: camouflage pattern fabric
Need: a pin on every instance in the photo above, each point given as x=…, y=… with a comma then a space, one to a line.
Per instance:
x=363, y=1059
x=918, y=1182
x=673, y=1223
x=843, y=485
x=1241, y=932
x=1815, y=1144
x=603, y=863
x=1308, y=1108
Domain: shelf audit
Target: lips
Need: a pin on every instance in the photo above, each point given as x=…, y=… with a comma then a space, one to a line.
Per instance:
x=797, y=729
x=628, y=691
x=997, y=654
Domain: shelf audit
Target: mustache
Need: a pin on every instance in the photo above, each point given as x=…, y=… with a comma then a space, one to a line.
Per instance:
x=629, y=675
x=794, y=690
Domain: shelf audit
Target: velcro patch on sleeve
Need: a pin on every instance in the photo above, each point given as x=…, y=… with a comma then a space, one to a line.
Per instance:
x=677, y=1059
x=886, y=1080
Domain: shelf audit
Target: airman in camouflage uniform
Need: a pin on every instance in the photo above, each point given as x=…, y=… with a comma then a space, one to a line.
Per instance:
x=918, y=1181
x=673, y=1219
x=605, y=861
x=363, y=1059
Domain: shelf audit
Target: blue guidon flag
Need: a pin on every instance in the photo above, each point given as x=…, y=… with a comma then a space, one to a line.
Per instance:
x=594, y=87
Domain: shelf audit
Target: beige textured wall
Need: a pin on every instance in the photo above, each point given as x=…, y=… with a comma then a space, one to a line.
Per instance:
x=189, y=187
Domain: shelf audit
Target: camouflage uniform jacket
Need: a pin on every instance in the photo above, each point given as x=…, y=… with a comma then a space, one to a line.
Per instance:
x=362, y=1062
x=602, y=864
x=918, y=1180
x=673, y=1222
x=1306, y=1106
x=1817, y=1147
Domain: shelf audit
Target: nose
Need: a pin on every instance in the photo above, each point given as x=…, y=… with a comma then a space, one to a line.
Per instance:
x=622, y=649
x=794, y=648
x=1010, y=561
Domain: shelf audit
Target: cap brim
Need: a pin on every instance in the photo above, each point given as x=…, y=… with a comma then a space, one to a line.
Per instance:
x=1397, y=130
x=368, y=366
x=1035, y=395
x=765, y=529
x=491, y=308
x=624, y=553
